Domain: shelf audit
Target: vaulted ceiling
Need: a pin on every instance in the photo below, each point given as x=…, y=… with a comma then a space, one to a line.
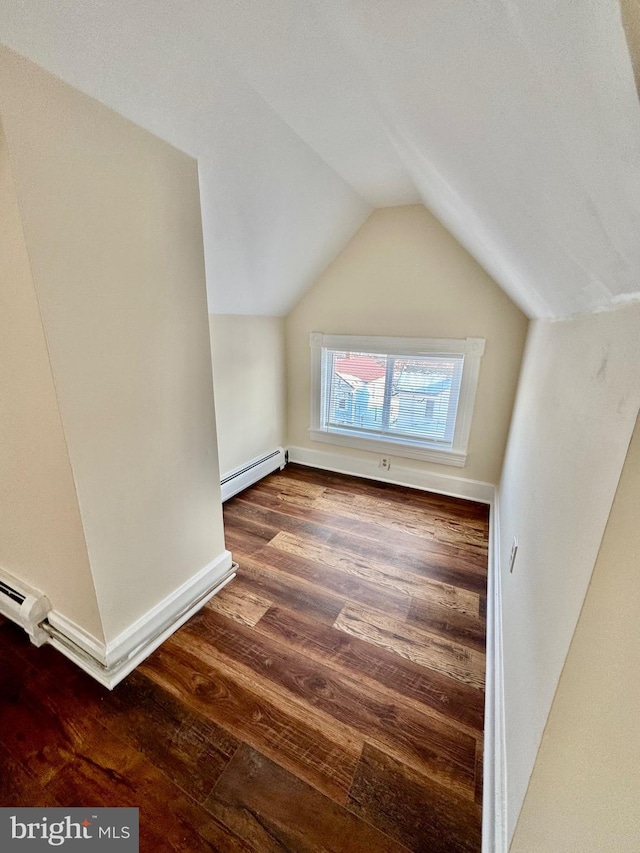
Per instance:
x=516, y=122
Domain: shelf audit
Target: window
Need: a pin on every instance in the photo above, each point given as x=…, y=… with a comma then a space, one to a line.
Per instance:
x=409, y=396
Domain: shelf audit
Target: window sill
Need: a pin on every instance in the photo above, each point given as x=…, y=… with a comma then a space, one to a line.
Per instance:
x=388, y=445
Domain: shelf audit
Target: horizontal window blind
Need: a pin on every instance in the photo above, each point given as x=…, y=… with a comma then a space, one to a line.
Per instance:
x=410, y=396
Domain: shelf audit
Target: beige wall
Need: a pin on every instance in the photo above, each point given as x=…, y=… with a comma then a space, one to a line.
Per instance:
x=577, y=403
x=249, y=385
x=112, y=223
x=403, y=274
x=41, y=536
x=585, y=787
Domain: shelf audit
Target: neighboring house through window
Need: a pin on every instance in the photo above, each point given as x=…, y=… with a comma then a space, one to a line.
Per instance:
x=409, y=396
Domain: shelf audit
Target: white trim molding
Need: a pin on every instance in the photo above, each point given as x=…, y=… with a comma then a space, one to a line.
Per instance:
x=400, y=475
x=451, y=449
x=494, y=801
x=111, y=662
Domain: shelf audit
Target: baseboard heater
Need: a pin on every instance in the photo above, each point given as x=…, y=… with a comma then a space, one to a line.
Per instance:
x=112, y=673
x=246, y=475
x=25, y=606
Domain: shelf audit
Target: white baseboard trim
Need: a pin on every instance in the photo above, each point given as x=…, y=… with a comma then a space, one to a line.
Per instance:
x=246, y=475
x=110, y=663
x=89, y=644
x=494, y=801
x=400, y=475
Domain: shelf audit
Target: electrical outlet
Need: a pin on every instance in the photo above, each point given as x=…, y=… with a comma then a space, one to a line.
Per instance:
x=512, y=555
x=385, y=463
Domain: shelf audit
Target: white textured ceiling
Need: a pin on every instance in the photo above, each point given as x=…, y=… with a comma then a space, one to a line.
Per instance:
x=516, y=122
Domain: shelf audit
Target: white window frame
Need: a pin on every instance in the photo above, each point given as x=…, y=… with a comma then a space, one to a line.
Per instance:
x=471, y=348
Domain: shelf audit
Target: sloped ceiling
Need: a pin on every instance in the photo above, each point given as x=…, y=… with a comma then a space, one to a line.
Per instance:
x=516, y=122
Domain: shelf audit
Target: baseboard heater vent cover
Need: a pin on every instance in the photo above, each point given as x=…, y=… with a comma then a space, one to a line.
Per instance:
x=246, y=475
x=25, y=606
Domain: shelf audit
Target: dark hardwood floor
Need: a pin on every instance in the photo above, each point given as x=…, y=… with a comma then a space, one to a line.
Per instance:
x=328, y=699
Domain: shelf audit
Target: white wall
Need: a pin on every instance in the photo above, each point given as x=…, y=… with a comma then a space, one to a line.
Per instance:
x=249, y=384
x=41, y=535
x=585, y=787
x=403, y=274
x=577, y=403
x=111, y=217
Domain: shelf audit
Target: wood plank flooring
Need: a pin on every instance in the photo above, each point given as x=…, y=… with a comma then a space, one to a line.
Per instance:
x=328, y=699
